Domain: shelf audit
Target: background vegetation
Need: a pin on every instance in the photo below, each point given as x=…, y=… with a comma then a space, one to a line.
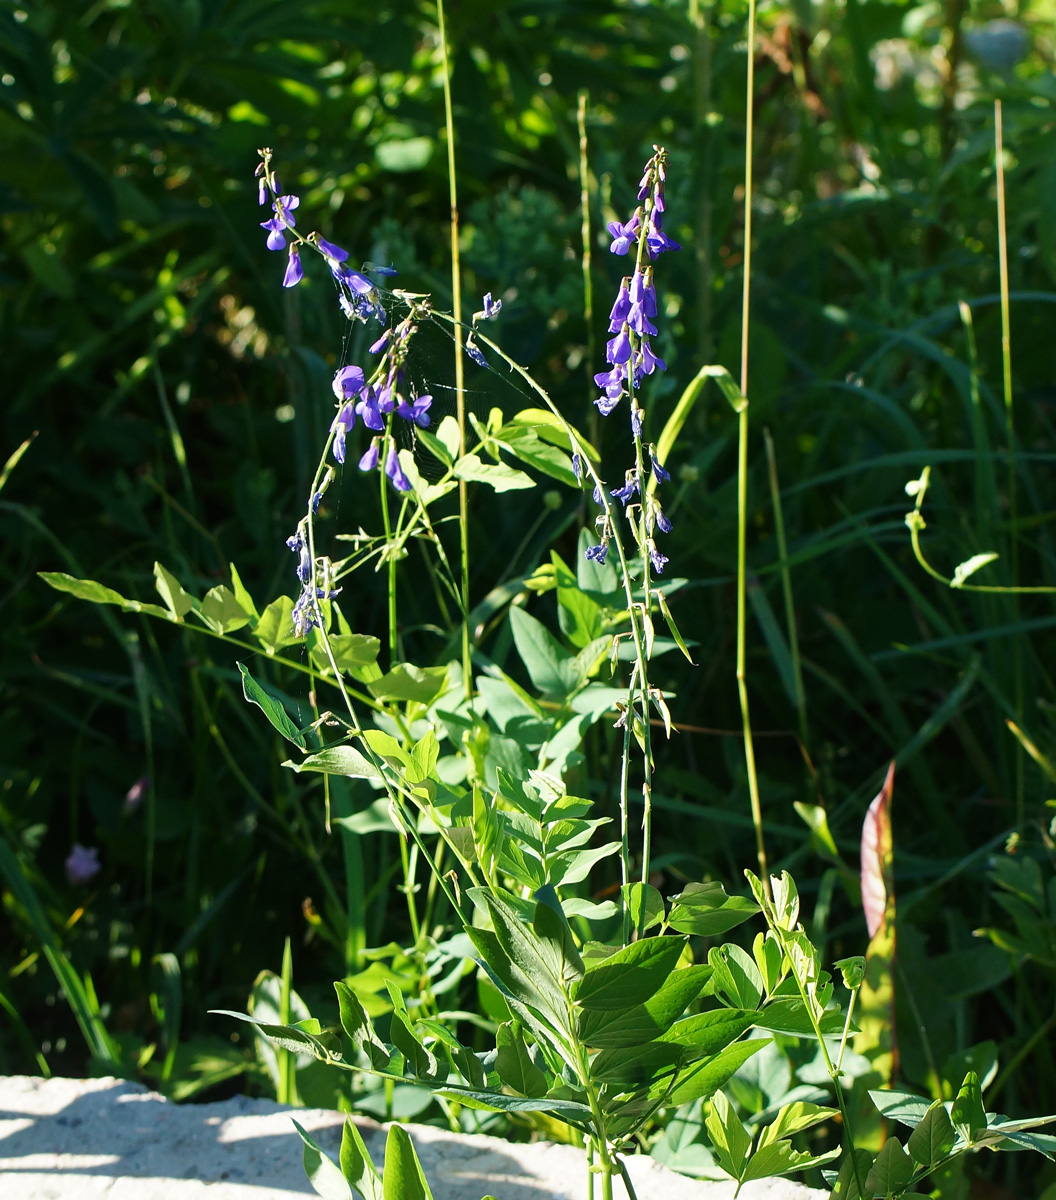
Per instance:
x=177, y=397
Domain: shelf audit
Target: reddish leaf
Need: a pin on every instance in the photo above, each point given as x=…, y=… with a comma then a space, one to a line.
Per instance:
x=877, y=855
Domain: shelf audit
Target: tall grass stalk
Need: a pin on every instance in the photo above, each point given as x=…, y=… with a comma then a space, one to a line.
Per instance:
x=460, y=390
x=1010, y=434
x=742, y=464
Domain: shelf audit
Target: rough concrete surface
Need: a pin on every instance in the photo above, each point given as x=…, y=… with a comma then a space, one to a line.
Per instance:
x=85, y=1139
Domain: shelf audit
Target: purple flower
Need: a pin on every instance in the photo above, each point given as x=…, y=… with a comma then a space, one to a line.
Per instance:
x=348, y=382
x=386, y=399
x=262, y=190
x=395, y=471
x=381, y=343
x=625, y=493
x=294, y=270
x=276, y=238
x=370, y=460
x=416, y=412
x=656, y=240
x=284, y=206
x=295, y=542
x=368, y=409
x=636, y=420
x=611, y=381
x=597, y=553
x=618, y=349
x=599, y=499
x=317, y=499
x=663, y=522
x=333, y=253
x=643, y=292
x=491, y=308
x=474, y=352
x=620, y=309
x=623, y=235
x=605, y=404
x=658, y=560
x=343, y=422
x=577, y=467
x=650, y=362
x=356, y=282
x=304, y=567
x=639, y=322
x=661, y=475
x=82, y=865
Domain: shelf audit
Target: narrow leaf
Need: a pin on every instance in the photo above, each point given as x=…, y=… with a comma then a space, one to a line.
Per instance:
x=876, y=853
x=272, y=709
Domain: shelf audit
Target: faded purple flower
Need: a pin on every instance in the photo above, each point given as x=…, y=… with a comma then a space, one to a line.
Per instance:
x=82, y=865
x=663, y=522
x=491, y=308
x=577, y=467
x=625, y=493
x=304, y=566
x=636, y=420
x=658, y=560
x=597, y=553
x=395, y=471
x=662, y=476
x=473, y=350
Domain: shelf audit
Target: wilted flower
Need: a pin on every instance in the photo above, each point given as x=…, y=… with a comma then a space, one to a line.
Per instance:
x=662, y=476
x=597, y=553
x=82, y=865
x=491, y=308
x=658, y=560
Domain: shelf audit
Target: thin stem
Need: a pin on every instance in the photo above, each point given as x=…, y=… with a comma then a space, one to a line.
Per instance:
x=786, y=585
x=391, y=564
x=742, y=468
x=460, y=391
x=588, y=283
x=1010, y=433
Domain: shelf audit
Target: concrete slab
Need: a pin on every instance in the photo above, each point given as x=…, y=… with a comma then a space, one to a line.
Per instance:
x=90, y=1139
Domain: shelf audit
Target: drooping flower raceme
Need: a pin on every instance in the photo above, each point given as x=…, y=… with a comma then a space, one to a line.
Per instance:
x=630, y=356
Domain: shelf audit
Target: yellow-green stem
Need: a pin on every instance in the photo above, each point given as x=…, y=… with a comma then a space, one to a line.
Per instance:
x=742, y=466
x=460, y=391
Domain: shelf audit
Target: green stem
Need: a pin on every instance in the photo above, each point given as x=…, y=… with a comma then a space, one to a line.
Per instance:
x=1010, y=433
x=585, y=253
x=391, y=560
x=742, y=466
x=456, y=311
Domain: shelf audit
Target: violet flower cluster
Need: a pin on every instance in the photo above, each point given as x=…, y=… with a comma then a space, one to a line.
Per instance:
x=630, y=355
x=358, y=296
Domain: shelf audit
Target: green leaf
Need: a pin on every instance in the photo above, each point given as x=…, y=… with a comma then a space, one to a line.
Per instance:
x=968, y=1115
x=351, y=651
x=358, y=1028
x=794, y=1118
x=635, y=1066
x=337, y=760
x=286, y=1037
x=408, y=682
x=706, y=1034
x=177, y=601
x=323, y=1173
x=907, y=1107
x=846, y=1186
x=705, y=910
x=730, y=1141
x=420, y=1061
x=548, y=663
x=630, y=976
x=496, y=475
x=275, y=627
x=612, y=1028
x=356, y=1165
x=790, y=1016
x=737, y=978
x=243, y=597
x=489, y=1101
x=779, y=1158
x=404, y=154
x=515, y=1065
x=645, y=905
x=524, y=443
x=707, y=1076
x=96, y=593
x=892, y=1170
x=934, y=1136
x=221, y=610
x=769, y=958
x=404, y=1178
x=580, y=616
x=272, y=709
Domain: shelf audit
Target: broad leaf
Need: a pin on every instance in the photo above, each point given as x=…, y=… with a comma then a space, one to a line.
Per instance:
x=275, y=627
x=933, y=1138
x=737, y=979
x=356, y=1165
x=515, y=1065
x=358, y=1028
x=779, y=1158
x=730, y=1141
x=611, y=1028
x=630, y=976
x=705, y=910
x=96, y=593
x=404, y=1178
x=548, y=663
x=408, y=682
x=892, y=1170
x=177, y=601
x=705, y=1034
x=221, y=611
x=706, y=1077
x=907, y=1107
x=323, y=1173
x=489, y=1101
x=968, y=1115
x=497, y=475
x=337, y=760
x=271, y=708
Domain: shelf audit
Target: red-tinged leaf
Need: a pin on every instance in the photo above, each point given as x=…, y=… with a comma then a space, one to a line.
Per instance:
x=877, y=854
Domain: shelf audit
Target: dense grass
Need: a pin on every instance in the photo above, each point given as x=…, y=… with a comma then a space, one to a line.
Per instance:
x=178, y=399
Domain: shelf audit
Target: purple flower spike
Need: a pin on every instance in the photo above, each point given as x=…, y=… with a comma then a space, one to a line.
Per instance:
x=332, y=252
x=294, y=270
x=82, y=865
x=597, y=553
x=618, y=349
x=418, y=412
x=368, y=409
x=370, y=460
x=395, y=471
x=620, y=309
x=348, y=382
